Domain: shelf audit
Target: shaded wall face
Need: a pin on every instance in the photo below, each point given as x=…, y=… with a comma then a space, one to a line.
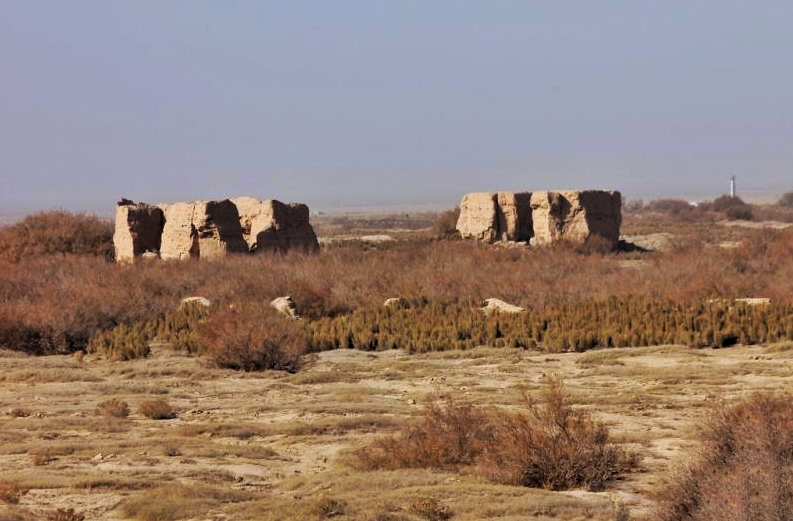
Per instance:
x=513, y=212
x=219, y=230
x=286, y=227
x=138, y=229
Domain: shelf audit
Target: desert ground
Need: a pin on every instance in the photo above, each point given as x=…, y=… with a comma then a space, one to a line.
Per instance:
x=236, y=445
x=277, y=446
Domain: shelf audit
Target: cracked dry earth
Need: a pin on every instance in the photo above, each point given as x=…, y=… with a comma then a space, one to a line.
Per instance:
x=278, y=446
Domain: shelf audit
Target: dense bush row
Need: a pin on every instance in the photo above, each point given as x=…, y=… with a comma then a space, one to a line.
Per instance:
x=580, y=325
x=252, y=338
x=723, y=207
x=60, y=303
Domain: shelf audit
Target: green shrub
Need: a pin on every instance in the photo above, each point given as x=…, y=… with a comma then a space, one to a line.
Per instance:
x=129, y=342
x=121, y=343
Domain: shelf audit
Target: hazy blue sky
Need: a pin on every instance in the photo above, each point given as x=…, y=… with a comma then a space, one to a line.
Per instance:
x=336, y=103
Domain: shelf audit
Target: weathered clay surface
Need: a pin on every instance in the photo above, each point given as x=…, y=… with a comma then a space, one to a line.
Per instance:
x=138, y=230
x=478, y=217
x=495, y=216
x=396, y=303
x=179, y=236
x=542, y=217
x=494, y=304
x=275, y=226
x=211, y=229
x=285, y=306
x=576, y=217
x=198, y=301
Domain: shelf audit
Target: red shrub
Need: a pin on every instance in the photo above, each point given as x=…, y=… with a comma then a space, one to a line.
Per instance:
x=251, y=339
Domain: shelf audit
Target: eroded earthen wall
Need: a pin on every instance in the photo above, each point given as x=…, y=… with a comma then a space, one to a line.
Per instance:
x=211, y=229
x=543, y=217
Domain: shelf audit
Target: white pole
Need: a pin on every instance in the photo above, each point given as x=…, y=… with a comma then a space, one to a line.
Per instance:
x=732, y=186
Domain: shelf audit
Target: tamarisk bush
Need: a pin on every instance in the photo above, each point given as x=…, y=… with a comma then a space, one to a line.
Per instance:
x=551, y=446
x=743, y=470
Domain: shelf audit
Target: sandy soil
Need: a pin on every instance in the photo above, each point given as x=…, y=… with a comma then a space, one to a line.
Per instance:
x=285, y=439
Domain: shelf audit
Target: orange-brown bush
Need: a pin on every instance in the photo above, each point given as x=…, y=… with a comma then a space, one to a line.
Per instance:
x=249, y=338
x=670, y=206
x=744, y=468
x=430, y=508
x=786, y=200
x=445, y=224
x=157, y=409
x=65, y=514
x=56, y=233
x=449, y=435
x=551, y=446
x=11, y=492
x=113, y=408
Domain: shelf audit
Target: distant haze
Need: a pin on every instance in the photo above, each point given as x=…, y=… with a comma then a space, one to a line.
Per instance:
x=415, y=102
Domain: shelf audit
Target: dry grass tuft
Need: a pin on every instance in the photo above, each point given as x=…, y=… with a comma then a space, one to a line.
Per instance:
x=430, y=509
x=112, y=408
x=11, y=492
x=65, y=514
x=172, y=502
x=158, y=409
x=326, y=507
x=40, y=457
x=20, y=412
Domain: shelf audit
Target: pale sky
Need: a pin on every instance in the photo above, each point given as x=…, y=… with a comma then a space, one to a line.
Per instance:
x=342, y=103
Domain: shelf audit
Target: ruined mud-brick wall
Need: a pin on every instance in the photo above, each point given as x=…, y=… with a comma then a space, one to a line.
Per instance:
x=544, y=217
x=210, y=229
